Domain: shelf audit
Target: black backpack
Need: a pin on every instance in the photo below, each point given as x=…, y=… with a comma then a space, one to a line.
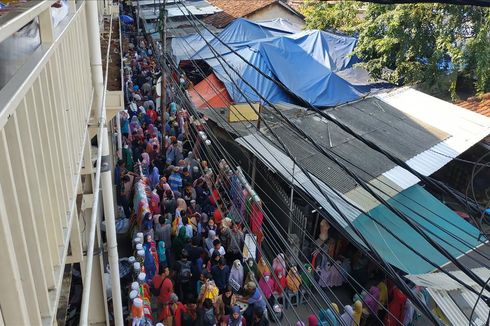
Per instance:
x=155, y=291
x=185, y=271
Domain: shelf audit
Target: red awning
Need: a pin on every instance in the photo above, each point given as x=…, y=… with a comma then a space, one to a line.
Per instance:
x=210, y=93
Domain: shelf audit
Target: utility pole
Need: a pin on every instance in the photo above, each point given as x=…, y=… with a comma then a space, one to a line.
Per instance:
x=138, y=18
x=254, y=159
x=291, y=200
x=163, y=83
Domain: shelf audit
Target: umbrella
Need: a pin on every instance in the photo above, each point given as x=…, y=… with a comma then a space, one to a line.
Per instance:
x=126, y=19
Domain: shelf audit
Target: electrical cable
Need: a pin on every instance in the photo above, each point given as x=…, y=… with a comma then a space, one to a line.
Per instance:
x=476, y=303
x=211, y=160
x=381, y=258
x=267, y=303
x=218, y=170
x=323, y=114
x=284, y=241
x=428, y=220
x=376, y=196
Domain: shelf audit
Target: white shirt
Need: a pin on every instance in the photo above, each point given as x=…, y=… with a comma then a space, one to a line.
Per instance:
x=221, y=251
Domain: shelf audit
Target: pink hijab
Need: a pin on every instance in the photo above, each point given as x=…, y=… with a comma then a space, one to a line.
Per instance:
x=372, y=300
x=279, y=263
x=266, y=286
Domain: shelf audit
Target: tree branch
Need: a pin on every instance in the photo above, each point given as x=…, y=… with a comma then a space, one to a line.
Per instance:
x=481, y=3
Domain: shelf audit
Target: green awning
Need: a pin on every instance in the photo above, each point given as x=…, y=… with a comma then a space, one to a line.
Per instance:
x=447, y=228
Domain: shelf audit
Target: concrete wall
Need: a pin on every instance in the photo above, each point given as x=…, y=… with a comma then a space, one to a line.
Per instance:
x=276, y=11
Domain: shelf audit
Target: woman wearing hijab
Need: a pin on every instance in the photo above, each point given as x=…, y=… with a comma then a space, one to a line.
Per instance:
x=236, y=276
x=327, y=317
x=371, y=301
x=154, y=178
x=236, y=318
x=162, y=257
x=262, y=267
x=383, y=293
x=395, y=307
x=312, y=320
x=181, y=209
x=134, y=124
x=357, y=312
x=266, y=285
x=151, y=130
x=280, y=284
x=293, y=280
x=208, y=242
x=179, y=243
x=150, y=266
x=145, y=163
x=279, y=263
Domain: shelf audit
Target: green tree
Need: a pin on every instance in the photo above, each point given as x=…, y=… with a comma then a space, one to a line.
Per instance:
x=433, y=45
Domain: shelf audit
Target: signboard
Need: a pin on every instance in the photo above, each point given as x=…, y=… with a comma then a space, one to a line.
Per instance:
x=243, y=112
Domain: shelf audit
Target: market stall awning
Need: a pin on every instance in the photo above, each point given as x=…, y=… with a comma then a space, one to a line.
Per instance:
x=455, y=301
x=445, y=223
x=210, y=93
x=437, y=220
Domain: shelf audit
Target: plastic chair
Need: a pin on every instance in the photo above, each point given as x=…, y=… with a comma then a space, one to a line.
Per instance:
x=303, y=295
x=291, y=298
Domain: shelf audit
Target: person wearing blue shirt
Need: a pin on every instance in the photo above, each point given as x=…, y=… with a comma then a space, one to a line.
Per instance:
x=175, y=180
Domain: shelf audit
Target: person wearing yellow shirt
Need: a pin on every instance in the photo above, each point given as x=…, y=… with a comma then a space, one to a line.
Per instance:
x=293, y=280
x=209, y=290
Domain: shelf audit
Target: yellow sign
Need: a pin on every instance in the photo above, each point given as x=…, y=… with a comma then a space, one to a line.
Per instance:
x=243, y=112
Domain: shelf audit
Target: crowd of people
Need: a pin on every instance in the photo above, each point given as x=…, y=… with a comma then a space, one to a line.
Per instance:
x=190, y=217
x=187, y=266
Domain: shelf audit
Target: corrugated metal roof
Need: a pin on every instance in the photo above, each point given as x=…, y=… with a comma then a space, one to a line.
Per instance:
x=392, y=249
x=454, y=300
x=464, y=128
x=371, y=118
x=197, y=8
x=424, y=131
x=277, y=161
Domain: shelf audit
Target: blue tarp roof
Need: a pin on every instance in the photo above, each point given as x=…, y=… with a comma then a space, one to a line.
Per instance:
x=449, y=227
x=305, y=62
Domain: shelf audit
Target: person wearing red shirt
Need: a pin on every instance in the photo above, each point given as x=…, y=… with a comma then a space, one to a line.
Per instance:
x=166, y=286
x=176, y=310
x=152, y=114
x=280, y=284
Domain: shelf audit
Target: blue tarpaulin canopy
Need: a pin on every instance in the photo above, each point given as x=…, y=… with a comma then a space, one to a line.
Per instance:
x=446, y=225
x=304, y=62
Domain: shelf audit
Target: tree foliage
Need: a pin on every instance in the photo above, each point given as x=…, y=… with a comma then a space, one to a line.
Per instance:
x=430, y=44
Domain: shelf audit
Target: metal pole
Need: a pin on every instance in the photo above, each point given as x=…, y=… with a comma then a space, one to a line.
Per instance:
x=110, y=223
x=291, y=200
x=95, y=54
x=99, y=102
x=138, y=17
x=254, y=159
x=163, y=84
x=119, y=136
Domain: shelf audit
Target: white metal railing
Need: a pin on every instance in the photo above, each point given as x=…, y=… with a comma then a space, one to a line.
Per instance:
x=44, y=113
x=93, y=218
